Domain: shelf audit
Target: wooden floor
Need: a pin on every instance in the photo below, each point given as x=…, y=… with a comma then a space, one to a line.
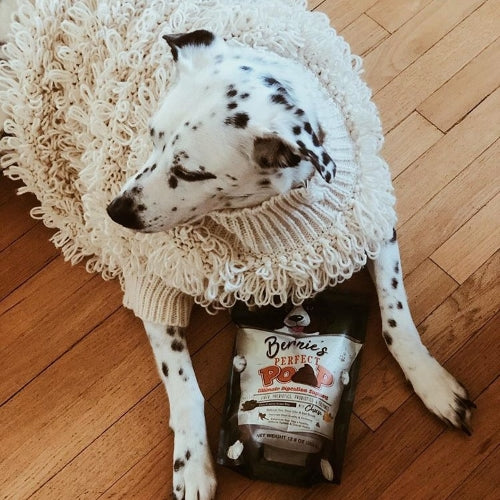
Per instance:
x=83, y=414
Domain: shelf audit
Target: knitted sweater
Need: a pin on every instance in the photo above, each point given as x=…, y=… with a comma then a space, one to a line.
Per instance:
x=82, y=80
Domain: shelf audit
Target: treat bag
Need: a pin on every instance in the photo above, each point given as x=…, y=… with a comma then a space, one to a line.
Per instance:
x=291, y=389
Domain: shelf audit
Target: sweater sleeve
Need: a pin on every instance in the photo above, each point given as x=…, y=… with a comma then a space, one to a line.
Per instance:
x=151, y=300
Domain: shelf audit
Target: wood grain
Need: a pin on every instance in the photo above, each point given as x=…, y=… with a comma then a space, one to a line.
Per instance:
x=82, y=410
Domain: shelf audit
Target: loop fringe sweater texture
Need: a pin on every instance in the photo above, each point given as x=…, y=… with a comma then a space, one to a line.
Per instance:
x=81, y=80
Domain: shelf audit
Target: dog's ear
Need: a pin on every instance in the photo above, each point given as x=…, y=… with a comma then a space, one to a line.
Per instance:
x=194, y=39
x=274, y=150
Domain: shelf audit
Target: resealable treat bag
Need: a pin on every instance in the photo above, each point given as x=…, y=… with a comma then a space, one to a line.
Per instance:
x=291, y=389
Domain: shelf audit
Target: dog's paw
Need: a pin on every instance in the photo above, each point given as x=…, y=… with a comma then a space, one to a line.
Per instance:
x=194, y=476
x=443, y=394
x=239, y=363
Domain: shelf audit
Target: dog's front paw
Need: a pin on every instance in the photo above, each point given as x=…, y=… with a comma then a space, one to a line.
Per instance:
x=239, y=363
x=443, y=394
x=194, y=476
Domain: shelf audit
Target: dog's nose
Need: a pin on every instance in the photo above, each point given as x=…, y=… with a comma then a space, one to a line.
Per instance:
x=296, y=318
x=123, y=211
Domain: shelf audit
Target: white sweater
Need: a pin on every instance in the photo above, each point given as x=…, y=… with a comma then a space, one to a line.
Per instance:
x=79, y=106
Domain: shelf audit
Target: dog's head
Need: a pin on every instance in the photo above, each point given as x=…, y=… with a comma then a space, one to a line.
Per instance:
x=233, y=131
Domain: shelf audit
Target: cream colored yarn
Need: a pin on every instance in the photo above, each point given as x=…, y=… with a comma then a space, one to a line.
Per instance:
x=82, y=80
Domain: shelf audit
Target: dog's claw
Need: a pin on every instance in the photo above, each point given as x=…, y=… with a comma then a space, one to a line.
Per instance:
x=466, y=430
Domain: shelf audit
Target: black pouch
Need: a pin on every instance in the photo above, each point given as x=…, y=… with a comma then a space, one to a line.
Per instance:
x=291, y=389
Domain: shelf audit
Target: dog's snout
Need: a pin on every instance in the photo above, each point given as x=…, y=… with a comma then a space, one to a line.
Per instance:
x=123, y=211
x=296, y=318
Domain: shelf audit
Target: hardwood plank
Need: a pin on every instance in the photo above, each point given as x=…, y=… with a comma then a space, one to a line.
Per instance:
x=414, y=38
x=14, y=212
x=434, y=223
x=151, y=477
x=380, y=457
x=114, y=453
x=72, y=402
x=427, y=286
x=391, y=15
x=363, y=34
x=451, y=102
x=432, y=69
x=444, y=332
x=38, y=334
x=408, y=141
x=312, y=4
x=434, y=465
x=447, y=158
x=344, y=12
x=483, y=482
x=474, y=243
x=25, y=257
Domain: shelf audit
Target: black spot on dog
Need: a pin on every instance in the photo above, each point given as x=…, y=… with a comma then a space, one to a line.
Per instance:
x=245, y=95
x=151, y=131
x=220, y=189
x=177, y=345
x=308, y=128
x=399, y=305
x=136, y=190
x=181, y=371
x=246, y=68
x=175, y=139
x=153, y=168
x=174, y=209
x=178, y=464
x=239, y=120
x=328, y=177
x=264, y=182
x=232, y=105
x=269, y=81
x=164, y=146
x=196, y=38
x=315, y=139
x=396, y=267
x=171, y=329
x=178, y=487
x=392, y=323
x=302, y=146
x=394, y=236
x=173, y=182
x=299, y=112
x=391, y=306
x=231, y=92
x=164, y=369
x=279, y=99
x=188, y=455
x=192, y=175
x=326, y=158
x=195, y=127
x=394, y=283
x=141, y=208
x=186, y=124
x=387, y=338
x=138, y=176
x=296, y=130
x=161, y=134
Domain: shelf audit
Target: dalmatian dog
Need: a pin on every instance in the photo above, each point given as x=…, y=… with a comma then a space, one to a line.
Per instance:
x=235, y=129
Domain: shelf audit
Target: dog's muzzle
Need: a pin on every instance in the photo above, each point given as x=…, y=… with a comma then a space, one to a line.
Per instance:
x=123, y=211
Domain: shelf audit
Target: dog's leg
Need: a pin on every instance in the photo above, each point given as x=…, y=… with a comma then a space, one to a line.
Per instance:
x=439, y=390
x=193, y=476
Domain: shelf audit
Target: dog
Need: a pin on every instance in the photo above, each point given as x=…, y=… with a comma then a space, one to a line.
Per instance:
x=203, y=128
x=200, y=139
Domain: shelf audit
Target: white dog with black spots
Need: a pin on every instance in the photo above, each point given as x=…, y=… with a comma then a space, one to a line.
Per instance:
x=231, y=106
